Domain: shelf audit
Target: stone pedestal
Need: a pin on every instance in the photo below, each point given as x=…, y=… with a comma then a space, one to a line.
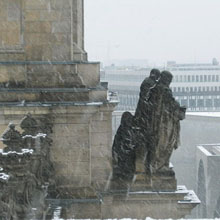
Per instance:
x=142, y=204
x=126, y=204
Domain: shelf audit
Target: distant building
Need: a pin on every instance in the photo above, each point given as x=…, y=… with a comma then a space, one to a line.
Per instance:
x=208, y=185
x=196, y=86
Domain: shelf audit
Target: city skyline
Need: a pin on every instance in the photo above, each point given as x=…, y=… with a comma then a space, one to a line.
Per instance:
x=155, y=30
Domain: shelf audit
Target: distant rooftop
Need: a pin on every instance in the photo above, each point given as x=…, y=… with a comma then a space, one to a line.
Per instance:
x=210, y=149
x=204, y=114
x=190, y=66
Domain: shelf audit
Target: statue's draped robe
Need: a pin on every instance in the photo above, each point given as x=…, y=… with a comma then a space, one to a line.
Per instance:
x=164, y=126
x=143, y=116
x=142, y=106
x=123, y=153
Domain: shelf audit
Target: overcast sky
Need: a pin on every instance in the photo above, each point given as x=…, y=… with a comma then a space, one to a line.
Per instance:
x=156, y=30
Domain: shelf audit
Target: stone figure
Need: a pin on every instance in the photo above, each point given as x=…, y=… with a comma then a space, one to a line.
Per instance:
x=4, y=211
x=143, y=121
x=29, y=125
x=144, y=142
x=31, y=185
x=165, y=124
x=146, y=85
x=4, y=207
x=12, y=139
x=123, y=153
x=30, y=170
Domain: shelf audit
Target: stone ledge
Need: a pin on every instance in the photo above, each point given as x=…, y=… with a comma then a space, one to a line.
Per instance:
x=53, y=94
x=142, y=204
x=45, y=74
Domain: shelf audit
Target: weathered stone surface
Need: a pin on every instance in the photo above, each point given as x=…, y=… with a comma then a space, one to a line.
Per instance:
x=26, y=161
x=146, y=204
x=48, y=75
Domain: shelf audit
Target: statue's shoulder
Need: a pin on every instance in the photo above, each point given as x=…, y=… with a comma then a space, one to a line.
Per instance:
x=147, y=83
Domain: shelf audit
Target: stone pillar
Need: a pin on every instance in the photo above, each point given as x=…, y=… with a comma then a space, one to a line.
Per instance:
x=44, y=71
x=48, y=30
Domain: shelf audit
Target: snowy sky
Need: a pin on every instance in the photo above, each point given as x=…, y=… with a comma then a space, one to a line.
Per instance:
x=157, y=30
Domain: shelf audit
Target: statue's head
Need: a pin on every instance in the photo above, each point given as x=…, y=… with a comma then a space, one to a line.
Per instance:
x=155, y=74
x=126, y=119
x=166, y=78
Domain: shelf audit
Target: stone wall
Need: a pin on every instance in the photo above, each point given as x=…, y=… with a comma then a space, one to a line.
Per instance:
x=46, y=72
x=82, y=138
x=41, y=30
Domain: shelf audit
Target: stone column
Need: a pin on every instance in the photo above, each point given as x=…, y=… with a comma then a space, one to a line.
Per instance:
x=44, y=71
x=42, y=30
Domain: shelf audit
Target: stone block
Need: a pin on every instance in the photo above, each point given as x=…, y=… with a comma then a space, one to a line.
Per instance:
x=101, y=116
x=71, y=154
x=14, y=11
x=90, y=73
x=101, y=163
x=38, y=27
x=37, y=4
x=61, y=167
x=20, y=56
x=73, y=119
x=101, y=126
x=50, y=15
x=73, y=180
x=3, y=12
x=84, y=211
x=61, y=27
x=57, y=4
x=17, y=97
x=101, y=175
x=83, y=109
x=78, y=168
x=61, y=52
x=98, y=95
x=60, y=38
x=10, y=38
x=36, y=38
x=4, y=77
x=34, y=52
x=71, y=130
x=48, y=68
x=100, y=185
x=101, y=139
x=65, y=14
x=70, y=142
x=70, y=168
x=32, y=15
x=101, y=151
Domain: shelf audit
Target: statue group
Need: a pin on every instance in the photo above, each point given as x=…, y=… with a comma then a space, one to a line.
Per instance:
x=144, y=142
x=25, y=169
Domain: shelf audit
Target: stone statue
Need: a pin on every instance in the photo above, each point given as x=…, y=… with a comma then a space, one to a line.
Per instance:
x=29, y=125
x=4, y=207
x=30, y=170
x=123, y=153
x=12, y=139
x=146, y=85
x=143, y=120
x=31, y=184
x=165, y=124
x=144, y=143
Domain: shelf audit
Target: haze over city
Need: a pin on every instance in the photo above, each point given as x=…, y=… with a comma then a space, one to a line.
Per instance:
x=155, y=30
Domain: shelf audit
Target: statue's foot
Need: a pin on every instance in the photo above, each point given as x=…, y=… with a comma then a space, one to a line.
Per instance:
x=165, y=171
